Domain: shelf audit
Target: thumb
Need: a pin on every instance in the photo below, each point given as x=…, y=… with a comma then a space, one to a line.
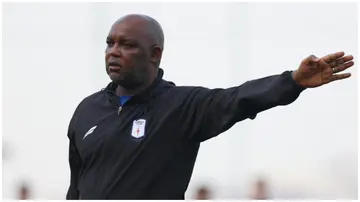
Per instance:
x=312, y=59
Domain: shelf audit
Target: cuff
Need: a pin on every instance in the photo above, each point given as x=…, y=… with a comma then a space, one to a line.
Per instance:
x=295, y=84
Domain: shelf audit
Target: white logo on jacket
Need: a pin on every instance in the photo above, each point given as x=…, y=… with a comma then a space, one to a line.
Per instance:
x=138, y=128
x=91, y=130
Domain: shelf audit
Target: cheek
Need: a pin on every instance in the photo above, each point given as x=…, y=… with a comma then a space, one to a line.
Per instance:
x=134, y=59
x=107, y=54
x=141, y=58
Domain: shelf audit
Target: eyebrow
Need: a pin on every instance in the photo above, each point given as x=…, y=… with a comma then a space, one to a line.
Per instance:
x=122, y=38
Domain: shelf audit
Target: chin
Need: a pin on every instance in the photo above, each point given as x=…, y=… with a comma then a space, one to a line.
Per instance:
x=115, y=76
x=125, y=80
x=127, y=84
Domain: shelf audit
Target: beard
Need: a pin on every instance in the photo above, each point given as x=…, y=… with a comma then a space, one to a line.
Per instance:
x=128, y=84
x=129, y=80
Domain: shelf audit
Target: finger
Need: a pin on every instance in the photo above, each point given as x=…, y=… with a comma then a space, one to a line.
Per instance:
x=332, y=57
x=337, y=77
x=342, y=67
x=341, y=60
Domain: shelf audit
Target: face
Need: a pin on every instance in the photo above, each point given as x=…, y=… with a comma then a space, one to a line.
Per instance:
x=128, y=54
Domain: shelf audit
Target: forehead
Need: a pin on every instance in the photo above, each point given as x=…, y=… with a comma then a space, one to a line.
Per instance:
x=131, y=28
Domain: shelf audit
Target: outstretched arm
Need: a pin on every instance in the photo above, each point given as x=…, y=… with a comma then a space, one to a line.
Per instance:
x=210, y=112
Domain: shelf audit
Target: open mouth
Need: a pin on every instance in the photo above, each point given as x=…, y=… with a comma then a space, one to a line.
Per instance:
x=114, y=66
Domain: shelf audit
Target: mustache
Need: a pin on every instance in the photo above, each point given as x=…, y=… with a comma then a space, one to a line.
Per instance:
x=114, y=63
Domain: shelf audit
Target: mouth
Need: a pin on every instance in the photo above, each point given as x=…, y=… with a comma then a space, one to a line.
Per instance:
x=114, y=66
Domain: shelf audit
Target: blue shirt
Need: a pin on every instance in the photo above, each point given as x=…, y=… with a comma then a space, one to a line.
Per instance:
x=124, y=99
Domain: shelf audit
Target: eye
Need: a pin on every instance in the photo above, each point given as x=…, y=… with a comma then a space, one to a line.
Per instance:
x=129, y=45
x=110, y=42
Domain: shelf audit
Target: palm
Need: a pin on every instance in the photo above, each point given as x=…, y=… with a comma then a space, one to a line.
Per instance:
x=317, y=74
x=314, y=72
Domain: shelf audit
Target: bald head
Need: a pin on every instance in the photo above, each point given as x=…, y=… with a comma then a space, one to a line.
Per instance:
x=134, y=50
x=148, y=25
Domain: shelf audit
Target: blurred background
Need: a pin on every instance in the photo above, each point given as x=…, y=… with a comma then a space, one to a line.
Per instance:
x=53, y=57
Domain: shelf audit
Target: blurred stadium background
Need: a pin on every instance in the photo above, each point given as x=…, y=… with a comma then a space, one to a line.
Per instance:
x=53, y=56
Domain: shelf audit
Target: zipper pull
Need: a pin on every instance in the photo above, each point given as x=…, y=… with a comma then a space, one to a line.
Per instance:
x=119, y=110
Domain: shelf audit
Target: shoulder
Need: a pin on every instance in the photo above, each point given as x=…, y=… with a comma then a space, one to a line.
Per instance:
x=191, y=90
x=89, y=101
x=189, y=94
x=187, y=89
x=169, y=88
x=83, y=106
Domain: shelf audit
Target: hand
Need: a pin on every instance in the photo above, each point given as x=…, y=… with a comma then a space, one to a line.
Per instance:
x=314, y=72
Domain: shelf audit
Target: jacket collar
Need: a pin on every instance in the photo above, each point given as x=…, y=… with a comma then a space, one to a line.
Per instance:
x=156, y=88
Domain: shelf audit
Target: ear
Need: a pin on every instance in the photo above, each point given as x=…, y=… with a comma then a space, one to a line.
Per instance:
x=156, y=54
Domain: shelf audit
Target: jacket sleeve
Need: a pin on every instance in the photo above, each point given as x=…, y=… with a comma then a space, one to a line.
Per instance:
x=75, y=164
x=209, y=112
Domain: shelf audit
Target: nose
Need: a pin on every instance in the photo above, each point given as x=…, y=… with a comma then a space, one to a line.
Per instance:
x=113, y=51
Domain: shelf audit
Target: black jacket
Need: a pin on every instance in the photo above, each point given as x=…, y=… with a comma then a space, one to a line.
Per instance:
x=148, y=150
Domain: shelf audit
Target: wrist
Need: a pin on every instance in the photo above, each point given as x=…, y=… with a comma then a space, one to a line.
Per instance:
x=294, y=75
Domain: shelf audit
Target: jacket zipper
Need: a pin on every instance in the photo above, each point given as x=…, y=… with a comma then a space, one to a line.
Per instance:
x=119, y=110
x=121, y=107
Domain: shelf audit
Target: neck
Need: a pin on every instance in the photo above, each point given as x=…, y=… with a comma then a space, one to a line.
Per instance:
x=121, y=91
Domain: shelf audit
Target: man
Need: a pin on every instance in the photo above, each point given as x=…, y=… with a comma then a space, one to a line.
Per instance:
x=139, y=137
